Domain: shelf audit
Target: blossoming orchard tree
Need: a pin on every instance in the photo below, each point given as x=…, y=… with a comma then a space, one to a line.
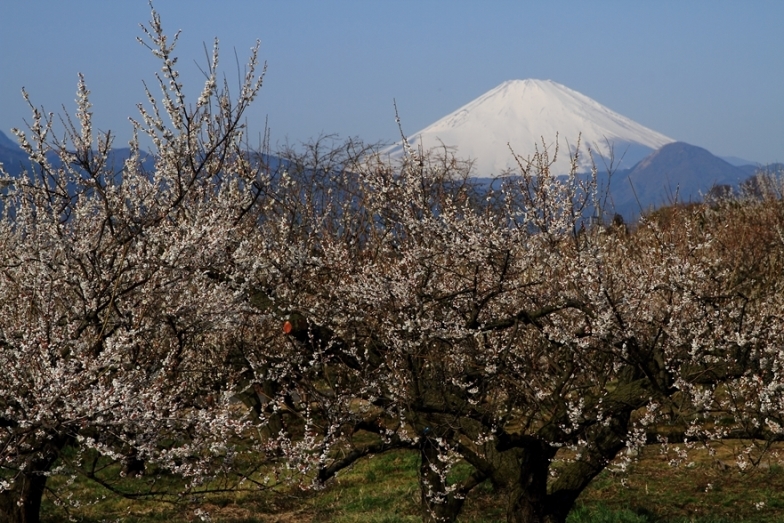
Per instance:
x=509, y=333
x=344, y=306
x=119, y=298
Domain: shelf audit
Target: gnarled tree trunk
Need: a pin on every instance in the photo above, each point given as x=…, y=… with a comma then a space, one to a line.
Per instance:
x=22, y=502
x=527, y=500
x=447, y=507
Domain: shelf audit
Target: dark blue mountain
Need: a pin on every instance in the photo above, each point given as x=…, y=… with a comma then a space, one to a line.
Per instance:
x=11, y=156
x=6, y=142
x=675, y=173
x=16, y=161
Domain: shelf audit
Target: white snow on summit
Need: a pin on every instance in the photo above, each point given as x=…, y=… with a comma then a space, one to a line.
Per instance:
x=523, y=113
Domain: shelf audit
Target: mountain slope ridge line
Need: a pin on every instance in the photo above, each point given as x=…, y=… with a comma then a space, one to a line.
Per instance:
x=527, y=113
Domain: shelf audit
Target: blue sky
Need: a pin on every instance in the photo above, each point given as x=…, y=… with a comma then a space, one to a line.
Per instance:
x=710, y=73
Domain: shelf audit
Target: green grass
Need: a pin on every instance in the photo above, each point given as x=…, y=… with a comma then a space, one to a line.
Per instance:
x=707, y=491
x=384, y=489
x=381, y=489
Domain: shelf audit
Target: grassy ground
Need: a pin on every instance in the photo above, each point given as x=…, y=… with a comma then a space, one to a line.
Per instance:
x=705, y=489
x=384, y=490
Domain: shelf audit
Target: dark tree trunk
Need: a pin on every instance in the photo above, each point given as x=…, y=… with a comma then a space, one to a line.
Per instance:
x=607, y=440
x=520, y=474
x=22, y=503
x=448, y=507
x=527, y=500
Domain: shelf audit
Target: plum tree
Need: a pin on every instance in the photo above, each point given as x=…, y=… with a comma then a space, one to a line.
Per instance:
x=509, y=334
x=114, y=328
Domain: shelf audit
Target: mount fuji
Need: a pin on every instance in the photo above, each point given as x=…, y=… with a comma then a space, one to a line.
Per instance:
x=530, y=114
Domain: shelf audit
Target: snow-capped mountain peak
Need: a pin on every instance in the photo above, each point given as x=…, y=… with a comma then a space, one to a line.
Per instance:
x=524, y=114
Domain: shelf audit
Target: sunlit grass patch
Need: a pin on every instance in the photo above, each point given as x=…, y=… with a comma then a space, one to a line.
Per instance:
x=705, y=489
x=385, y=489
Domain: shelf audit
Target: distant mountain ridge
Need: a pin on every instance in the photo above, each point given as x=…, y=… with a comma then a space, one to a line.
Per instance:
x=6, y=142
x=738, y=162
x=15, y=161
x=678, y=172
x=11, y=155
